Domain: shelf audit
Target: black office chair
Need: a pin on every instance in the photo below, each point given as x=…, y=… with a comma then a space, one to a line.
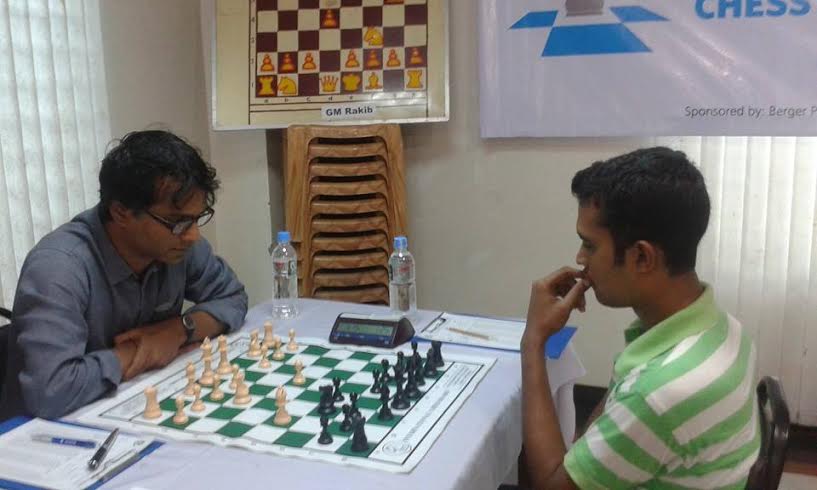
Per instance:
x=774, y=436
x=4, y=340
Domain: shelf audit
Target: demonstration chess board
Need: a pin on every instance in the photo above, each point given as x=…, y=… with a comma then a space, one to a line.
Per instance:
x=395, y=445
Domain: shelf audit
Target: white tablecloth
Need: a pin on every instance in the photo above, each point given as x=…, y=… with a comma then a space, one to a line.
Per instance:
x=477, y=450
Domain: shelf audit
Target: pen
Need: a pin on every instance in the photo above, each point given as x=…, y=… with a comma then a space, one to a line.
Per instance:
x=64, y=441
x=472, y=334
x=100, y=453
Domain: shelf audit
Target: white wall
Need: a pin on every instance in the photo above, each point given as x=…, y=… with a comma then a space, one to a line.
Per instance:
x=485, y=217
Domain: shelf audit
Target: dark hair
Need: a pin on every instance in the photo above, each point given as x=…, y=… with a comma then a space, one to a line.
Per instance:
x=652, y=194
x=131, y=171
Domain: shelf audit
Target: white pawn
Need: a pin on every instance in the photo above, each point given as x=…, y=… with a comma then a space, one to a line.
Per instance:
x=217, y=394
x=206, y=348
x=299, y=378
x=282, y=417
x=198, y=405
x=292, y=346
x=242, y=391
x=234, y=381
x=152, y=408
x=278, y=354
x=180, y=418
x=224, y=362
x=207, y=376
x=191, y=378
x=255, y=347
x=267, y=335
x=222, y=341
x=264, y=364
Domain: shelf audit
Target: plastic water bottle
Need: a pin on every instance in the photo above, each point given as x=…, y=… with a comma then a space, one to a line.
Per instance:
x=284, y=278
x=402, y=288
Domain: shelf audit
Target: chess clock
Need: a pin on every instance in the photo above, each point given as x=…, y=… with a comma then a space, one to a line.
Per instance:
x=372, y=330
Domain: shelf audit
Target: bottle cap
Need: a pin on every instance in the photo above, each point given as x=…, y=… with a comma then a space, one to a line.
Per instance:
x=400, y=242
x=283, y=237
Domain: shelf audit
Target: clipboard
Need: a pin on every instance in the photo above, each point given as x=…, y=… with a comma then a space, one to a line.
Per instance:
x=106, y=474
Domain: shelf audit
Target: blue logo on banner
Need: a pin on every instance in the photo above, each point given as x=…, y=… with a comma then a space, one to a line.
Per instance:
x=589, y=39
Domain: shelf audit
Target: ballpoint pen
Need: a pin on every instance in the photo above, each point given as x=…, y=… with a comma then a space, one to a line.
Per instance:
x=100, y=454
x=64, y=441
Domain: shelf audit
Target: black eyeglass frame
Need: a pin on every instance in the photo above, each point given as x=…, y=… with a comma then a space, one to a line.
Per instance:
x=179, y=227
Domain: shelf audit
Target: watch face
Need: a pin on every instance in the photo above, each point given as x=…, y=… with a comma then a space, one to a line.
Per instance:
x=188, y=323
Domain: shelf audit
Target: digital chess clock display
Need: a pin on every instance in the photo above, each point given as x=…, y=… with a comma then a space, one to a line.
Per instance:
x=375, y=331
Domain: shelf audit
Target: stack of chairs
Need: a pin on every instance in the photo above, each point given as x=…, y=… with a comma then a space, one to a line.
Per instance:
x=345, y=202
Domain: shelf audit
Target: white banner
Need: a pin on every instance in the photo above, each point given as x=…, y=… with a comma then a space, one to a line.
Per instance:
x=648, y=67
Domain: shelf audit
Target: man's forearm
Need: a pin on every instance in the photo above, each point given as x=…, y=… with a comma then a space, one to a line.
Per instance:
x=206, y=326
x=544, y=447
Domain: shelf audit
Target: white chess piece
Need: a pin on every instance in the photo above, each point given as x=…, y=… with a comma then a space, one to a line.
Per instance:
x=255, y=347
x=282, y=417
x=299, y=378
x=234, y=381
x=278, y=354
x=152, y=408
x=267, y=335
x=217, y=394
x=191, y=378
x=198, y=405
x=292, y=346
x=206, y=348
x=242, y=391
x=264, y=364
x=207, y=376
x=224, y=363
x=180, y=418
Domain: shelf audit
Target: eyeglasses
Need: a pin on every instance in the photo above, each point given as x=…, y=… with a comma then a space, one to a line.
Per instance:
x=179, y=227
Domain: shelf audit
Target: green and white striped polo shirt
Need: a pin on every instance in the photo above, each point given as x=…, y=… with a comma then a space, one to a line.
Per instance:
x=682, y=409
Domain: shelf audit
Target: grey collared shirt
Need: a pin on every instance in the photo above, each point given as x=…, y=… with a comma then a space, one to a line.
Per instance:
x=75, y=294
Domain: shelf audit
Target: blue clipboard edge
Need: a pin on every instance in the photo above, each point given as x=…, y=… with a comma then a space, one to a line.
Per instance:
x=554, y=348
x=13, y=423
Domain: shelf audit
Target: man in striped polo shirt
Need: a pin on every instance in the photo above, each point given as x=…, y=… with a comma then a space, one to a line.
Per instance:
x=681, y=412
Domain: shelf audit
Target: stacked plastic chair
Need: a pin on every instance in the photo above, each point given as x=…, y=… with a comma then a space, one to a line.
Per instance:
x=345, y=203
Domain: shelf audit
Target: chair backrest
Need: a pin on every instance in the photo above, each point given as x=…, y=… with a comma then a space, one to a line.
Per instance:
x=4, y=334
x=774, y=432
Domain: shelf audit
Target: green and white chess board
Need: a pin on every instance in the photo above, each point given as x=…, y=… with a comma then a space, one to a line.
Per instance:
x=396, y=445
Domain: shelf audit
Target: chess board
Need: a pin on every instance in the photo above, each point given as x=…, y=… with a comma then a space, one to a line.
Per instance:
x=308, y=58
x=395, y=445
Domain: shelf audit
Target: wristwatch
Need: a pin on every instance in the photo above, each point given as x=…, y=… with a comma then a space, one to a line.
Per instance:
x=189, y=327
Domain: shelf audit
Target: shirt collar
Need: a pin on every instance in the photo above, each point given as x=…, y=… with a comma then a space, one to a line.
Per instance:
x=645, y=344
x=115, y=266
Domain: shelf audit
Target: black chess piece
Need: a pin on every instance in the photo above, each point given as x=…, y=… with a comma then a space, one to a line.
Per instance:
x=385, y=413
x=359, y=441
x=411, y=388
x=430, y=370
x=401, y=360
x=338, y=396
x=325, y=437
x=438, y=353
x=353, y=405
x=376, y=385
x=399, y=373
x=326, y=405
x=419, y=378
x=386, y=377
x=418, y=359
x=400, y=402
x=346, y=425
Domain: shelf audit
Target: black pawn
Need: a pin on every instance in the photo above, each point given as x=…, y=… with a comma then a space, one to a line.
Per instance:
x=400, y=402
x=430, y=370
x=338, y=396
x=346, y=425
x=325, y=437
x=438, y=353
x=376, y=385
x=385, y=412
x=386, y=377
x=418, y=359
x=359, y=441
x=353, y=406
x=419, y=378
x=398, y=373
x=411, y=388
x=401, y=360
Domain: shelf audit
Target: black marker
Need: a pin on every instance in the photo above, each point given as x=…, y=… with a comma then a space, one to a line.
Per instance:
x=100, y=454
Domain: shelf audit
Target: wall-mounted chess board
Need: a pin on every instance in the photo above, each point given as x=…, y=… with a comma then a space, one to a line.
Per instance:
x=282, y=62
x=395, y=445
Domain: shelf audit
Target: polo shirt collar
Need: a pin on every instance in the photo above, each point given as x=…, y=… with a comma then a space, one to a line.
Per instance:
x=115, y=266
x=646, y=344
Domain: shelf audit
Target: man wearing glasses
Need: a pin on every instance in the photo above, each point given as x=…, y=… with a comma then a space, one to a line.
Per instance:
x=100, y=299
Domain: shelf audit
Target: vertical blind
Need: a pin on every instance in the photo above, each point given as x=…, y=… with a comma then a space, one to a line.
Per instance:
x=760, y=251
x=54, y=122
